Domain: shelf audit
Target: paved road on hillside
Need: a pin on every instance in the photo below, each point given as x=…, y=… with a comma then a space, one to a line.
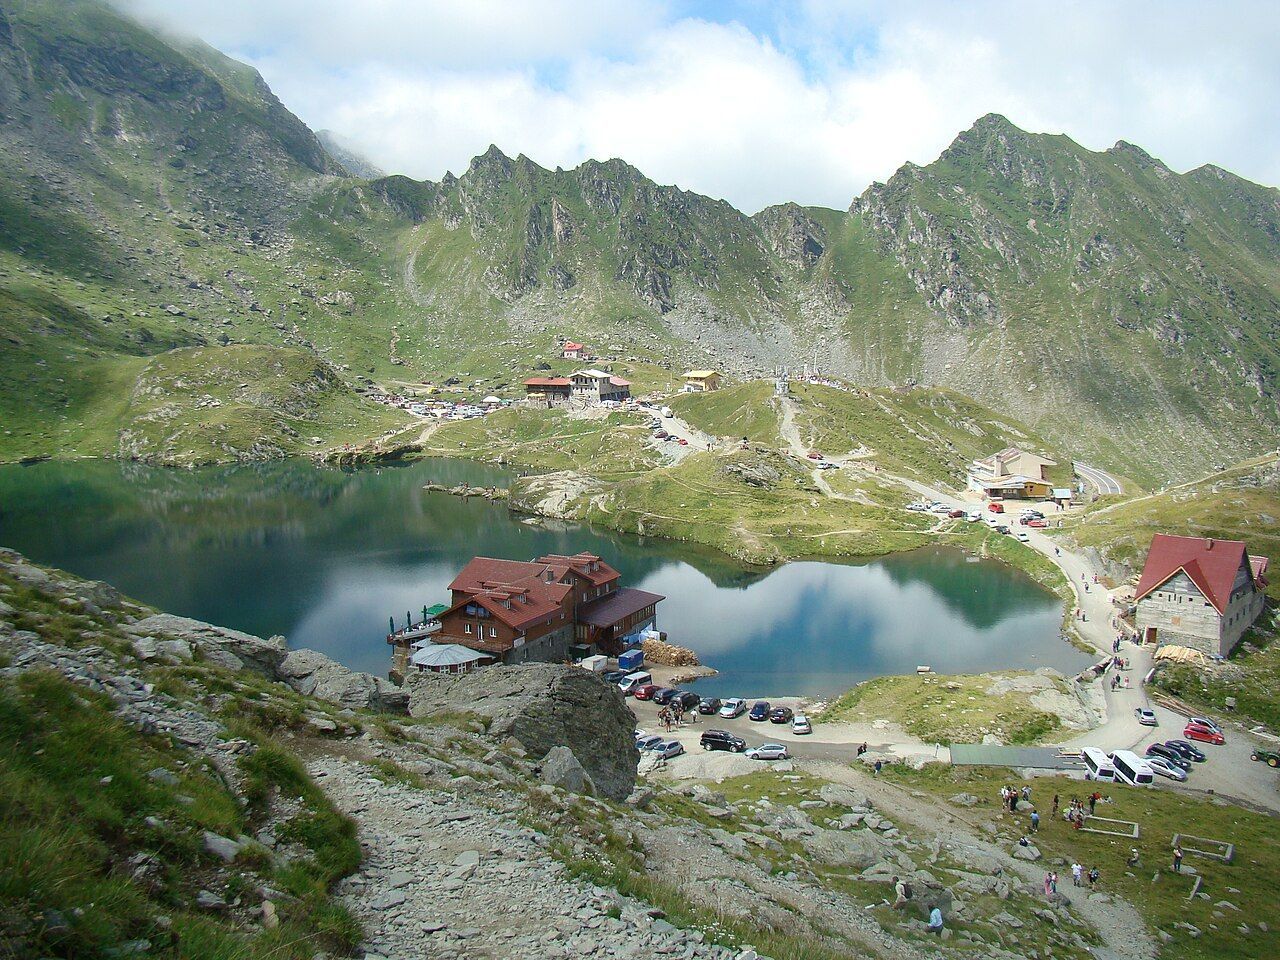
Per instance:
x=1103, y=481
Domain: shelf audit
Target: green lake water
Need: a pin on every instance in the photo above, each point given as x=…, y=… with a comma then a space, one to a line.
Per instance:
x=324, y=556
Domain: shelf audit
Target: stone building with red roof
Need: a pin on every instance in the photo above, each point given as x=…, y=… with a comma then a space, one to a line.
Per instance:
x=1199, y=593
x=516, y=611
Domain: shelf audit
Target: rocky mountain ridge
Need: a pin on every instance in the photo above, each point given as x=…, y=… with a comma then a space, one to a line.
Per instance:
x=1125, y=310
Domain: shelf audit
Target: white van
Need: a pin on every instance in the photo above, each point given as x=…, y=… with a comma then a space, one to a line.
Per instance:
x=1132, y=769
x=633, y=681
x=1097, y=765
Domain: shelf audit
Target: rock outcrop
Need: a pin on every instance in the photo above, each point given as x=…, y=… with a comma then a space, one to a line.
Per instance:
x=315, y=675
x=220, y=646
x=543, y=706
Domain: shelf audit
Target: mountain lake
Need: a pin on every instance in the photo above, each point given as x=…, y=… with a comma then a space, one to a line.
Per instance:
x=325, y=556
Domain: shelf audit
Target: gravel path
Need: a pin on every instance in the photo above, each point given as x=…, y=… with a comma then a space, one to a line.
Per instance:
x=445, y=877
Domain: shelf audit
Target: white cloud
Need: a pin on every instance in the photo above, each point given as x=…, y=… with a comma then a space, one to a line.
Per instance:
x=811, y=107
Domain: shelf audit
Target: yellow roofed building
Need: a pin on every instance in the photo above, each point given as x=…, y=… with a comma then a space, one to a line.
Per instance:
x=701, y=381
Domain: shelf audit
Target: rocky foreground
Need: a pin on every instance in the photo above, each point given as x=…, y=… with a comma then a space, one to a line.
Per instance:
x=499, y=817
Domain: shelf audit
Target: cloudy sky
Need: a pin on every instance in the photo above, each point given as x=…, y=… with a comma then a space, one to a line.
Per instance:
x=755, y=101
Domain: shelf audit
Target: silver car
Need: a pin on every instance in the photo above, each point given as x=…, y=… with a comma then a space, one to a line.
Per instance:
x=669, y=748
x=768, y=751
x=1166, y=769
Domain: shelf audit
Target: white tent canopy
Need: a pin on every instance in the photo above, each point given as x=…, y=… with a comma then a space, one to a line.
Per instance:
x=443, y=655
x=491, y=399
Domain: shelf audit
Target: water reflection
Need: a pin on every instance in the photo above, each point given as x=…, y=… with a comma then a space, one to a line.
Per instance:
x=324, y=556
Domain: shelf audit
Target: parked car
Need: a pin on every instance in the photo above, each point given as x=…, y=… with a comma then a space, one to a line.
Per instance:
x=1194, y=754
x=974, y=516
x=649, y=742
x=1165, y=767
x=918, y=506
x=1170, y=754
x=995, y=507
x=1269, y=757
x=1002, y=528
x=1205, y=722
x=956, y=514
x=614, y=676
x=663, y=695
x=641, y=734
x=646, y=691
x=759, y=711
x=828, y=465
x=1146, y=717
x=685, y=700
x=1037, y=524
x=768, y=751
x=781, y=715
x=662, y=435
x=684, y=442
x=1022, y=536
x=709, y=705
x=669, y=748
x=733, y=707
x=722, y=740
x=814, y=455
x=800, y=725
x=1197, y=731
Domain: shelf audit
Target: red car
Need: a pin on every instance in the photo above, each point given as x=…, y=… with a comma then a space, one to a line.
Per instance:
x=684, y=442
x=1039, y=524
x=956, y=514
x=646, y=691
x=1198, y=731
x=996, y=507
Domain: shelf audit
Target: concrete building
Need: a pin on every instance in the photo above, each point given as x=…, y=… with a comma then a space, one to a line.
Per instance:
x=595, y=386
x=574, y=351
x=1199, y=593
x=1012, y=473
x=701, y=381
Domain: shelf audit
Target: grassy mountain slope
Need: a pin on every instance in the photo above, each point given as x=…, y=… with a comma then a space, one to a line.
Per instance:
x=155, y=195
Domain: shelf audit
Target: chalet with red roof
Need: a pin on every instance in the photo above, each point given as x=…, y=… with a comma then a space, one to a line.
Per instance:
x=515, y=611
x=574, y=351
x=1199, y=593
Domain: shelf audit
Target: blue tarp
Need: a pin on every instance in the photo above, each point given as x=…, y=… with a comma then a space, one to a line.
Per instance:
x=631, y=660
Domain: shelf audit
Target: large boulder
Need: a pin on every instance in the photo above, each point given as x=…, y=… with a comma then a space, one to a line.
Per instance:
x=314, y=675
x=857, y=850
x=542, y=705
x=218, y=645
x=561, y=768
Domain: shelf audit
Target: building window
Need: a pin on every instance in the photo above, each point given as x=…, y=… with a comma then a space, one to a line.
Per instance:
x=467, y=627
x=493, y=631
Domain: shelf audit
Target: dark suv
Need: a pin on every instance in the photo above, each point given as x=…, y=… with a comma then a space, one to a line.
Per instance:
x=685, y=700
x=722, y=740
x=710, y=705
x=1169, y=753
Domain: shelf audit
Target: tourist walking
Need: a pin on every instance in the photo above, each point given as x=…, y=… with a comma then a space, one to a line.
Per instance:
x=1093, y=876
x=1026, y=792
x=875, y=770
x=1053, y=882
x=1177, y=859
x=1077, y=875
x=935, y=921
x=1055, y=806
x=1048, y=877
x=1035, y=822
x=899, y=894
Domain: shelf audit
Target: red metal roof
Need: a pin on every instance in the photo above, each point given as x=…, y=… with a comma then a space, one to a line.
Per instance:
x=619, y=382
x=547, y=382
x=618, y=605
x=581, y=564
x=1210, y=564
x=572, y=346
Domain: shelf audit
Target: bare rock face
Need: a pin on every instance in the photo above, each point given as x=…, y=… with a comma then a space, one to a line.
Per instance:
x=314, y=675
x=543, y=706
x=219, y=645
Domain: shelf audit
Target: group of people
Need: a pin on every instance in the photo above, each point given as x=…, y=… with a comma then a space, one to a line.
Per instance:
x=1009, y=797
x=671, y=717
